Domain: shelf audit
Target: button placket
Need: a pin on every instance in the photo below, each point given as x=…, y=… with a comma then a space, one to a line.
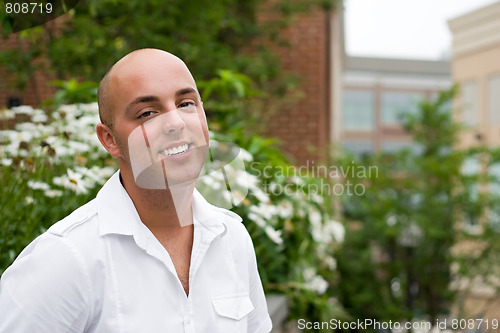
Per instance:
x=188, y=317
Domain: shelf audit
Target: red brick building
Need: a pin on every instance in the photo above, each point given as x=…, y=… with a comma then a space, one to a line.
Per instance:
x=314, y=55
x=37, y=89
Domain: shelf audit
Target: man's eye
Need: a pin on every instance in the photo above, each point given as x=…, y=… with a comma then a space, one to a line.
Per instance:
x=146, y=114
x=186, y=104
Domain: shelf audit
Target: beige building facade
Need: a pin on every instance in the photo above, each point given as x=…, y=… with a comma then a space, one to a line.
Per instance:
x=476, y=67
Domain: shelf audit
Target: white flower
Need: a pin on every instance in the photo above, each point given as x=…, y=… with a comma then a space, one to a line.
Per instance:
x=104, y=173
x=211, y=181
x=22, y=109
x=238, y=196
x=314, y=282
x=39, y=116
x=297, y=180
x=391, y=220
x=309, y=273
x=36, y=185
x=317, y=198
x=29, y=200
x=274, y=235
x=299, y=195
x=318, y=284
x=53, y=193
x=301, y=212
x=79, y=147
x=260, y=195
x=73, y=181
x=6, y=161
x=285, y=209
x=7, y=114
x=218, y=175
x=330, y=262
x=257, y=219
x=320, y=236
x=227, y=196
x=268, y=212
x=95, y=175
x=246, y=180
x=314, y=217
x=245, y=155
x=328, y=232
x=336, y=229
x=25, y=135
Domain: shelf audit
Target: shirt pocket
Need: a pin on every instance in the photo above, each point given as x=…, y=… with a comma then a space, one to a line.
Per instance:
x=231, y=312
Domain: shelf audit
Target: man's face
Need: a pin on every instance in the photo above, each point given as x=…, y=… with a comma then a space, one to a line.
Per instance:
x=159, y=121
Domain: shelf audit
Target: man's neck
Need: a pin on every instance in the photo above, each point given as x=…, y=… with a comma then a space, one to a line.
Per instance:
x=166, y=209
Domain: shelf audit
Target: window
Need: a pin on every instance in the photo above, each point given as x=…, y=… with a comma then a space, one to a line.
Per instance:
x=395, y=146
x=470, y=103
x=396, y=104
x=494, y=172
x=493, y=215
x=358, y=111
x=494, y=100
x=359, y=147
x=471, y=166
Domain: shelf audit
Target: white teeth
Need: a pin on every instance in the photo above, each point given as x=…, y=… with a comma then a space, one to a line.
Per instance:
x=175, y=150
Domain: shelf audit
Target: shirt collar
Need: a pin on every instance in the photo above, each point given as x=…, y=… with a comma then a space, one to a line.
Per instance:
x=117, y=213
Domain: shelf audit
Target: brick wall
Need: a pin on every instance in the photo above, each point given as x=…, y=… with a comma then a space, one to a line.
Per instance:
x=38, y=88
x=304, y=126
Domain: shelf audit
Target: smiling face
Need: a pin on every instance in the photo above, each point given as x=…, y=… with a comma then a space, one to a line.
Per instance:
x=159, y=132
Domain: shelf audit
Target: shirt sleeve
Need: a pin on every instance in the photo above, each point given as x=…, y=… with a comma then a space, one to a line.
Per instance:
x=258, y=320
x=46, y=289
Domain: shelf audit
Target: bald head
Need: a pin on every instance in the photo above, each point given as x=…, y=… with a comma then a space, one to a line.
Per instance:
x=129, y=62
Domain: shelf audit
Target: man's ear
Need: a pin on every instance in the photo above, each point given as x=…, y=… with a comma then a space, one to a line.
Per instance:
x=107, y=139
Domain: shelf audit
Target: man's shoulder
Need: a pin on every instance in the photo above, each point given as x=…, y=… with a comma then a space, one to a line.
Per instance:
x=230, y=219
x=214, y=216
x=82, y=222
x=76, y=236
x=234, y=227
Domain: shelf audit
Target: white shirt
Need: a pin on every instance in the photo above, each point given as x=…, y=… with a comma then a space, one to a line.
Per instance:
x=101, y=270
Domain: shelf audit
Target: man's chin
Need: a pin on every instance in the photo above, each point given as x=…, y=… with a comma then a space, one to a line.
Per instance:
x=158, y=176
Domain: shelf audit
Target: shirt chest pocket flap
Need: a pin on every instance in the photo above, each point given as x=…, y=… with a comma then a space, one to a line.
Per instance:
x=232, y=311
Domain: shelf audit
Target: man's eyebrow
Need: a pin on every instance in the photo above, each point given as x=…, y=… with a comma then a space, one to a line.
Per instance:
x=185, y=91
x=142, y=99
x=147, y=99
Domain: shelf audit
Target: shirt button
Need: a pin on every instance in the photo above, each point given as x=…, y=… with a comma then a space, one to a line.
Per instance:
x=187, y=320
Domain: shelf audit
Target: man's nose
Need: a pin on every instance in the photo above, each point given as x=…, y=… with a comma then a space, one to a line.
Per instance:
x=172, y=122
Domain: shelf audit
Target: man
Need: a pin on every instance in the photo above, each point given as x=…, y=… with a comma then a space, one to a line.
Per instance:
x=149, y=254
